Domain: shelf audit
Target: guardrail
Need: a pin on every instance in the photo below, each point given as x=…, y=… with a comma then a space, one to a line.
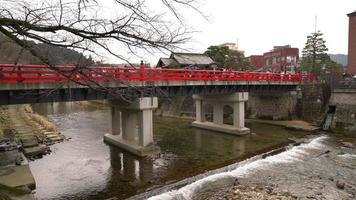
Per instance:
x=348, y=83
x=43, y=74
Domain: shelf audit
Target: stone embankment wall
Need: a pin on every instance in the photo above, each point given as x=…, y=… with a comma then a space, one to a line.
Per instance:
x=308, y=103
x=345, y=102
x=272, y=105
x=264, y=105
x=178, y=106
x=312, y=107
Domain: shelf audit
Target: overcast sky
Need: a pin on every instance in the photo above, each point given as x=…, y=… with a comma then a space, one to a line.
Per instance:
x=258, y=25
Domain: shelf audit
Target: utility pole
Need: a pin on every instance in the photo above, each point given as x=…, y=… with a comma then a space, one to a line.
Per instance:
x=237, y=44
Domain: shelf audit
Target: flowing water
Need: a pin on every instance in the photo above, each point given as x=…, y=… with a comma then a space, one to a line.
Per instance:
x=86, y=168
x=240, y=170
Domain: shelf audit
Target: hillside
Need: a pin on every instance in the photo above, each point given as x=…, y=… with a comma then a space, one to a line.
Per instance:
x=339, y=58
x=10, y=52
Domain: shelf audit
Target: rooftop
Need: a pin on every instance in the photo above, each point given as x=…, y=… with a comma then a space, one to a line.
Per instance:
x=192, y=58
x=165, y=62
x=281, y=47
x=352, y=14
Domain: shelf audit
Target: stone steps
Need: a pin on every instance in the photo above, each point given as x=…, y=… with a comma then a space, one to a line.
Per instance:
x=56, y=139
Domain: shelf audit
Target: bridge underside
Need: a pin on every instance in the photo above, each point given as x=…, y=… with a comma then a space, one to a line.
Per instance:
x=23, y=96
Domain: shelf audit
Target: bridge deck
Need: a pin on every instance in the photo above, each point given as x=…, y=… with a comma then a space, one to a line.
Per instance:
x=37, y=77
x=32, y=83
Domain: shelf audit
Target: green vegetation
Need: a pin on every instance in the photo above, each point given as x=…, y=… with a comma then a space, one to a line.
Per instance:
x=5, y=120
x=225, y=57
x=2, y=197
x=316, y=60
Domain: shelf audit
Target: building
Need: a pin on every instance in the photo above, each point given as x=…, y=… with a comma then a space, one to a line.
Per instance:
x=187, y=60
x=257, y=61
x=126, y=65
x=351, y=69
x=232, y=46
x=281, y=59
x=229, y=45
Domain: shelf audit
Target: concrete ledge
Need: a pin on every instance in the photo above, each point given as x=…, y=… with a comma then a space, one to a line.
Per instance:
x=131, y=147
x=224, y=128
x=297, y=125
x=17, y=176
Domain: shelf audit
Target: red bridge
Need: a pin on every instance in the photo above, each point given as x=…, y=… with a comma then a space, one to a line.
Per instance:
x=43, y=74
x=36, y=83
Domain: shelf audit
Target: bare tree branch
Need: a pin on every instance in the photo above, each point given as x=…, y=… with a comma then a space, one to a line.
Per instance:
x=88, y=26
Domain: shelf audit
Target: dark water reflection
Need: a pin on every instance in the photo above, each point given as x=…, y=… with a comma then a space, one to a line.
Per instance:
x=86, y=168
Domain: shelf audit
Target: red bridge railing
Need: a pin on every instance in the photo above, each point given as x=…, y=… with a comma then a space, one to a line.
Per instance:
x=43, y=74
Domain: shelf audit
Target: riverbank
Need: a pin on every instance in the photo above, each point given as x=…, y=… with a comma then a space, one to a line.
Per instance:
x=22, y=129
x=321, y=167
x=41, y=127
x=298, y=125
x=243, y=192
x=288, y=124
x=327, y=171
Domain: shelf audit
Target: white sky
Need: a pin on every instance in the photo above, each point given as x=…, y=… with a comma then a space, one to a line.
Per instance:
x=258, y=25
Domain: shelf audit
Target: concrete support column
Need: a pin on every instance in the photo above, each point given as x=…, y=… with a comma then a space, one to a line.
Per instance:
x=145, y=128
x=218, y=113
x=135, y=124
x=199, y=111
x=129, y=124
x=115, y=121
x=237, y=100
x=239, y=109
x=239, y=114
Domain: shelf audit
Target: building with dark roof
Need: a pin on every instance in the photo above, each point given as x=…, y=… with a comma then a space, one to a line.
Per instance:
x=181, y=60
x=352, y=14
x=166, y=62
x=351, y=68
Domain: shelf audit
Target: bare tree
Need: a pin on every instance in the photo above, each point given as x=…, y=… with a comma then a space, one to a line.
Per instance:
x=86, y=25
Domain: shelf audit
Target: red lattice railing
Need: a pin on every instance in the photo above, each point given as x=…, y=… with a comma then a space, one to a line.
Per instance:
x=43, y=74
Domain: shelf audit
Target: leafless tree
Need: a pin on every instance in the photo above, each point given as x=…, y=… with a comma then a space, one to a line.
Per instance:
x=89, y=26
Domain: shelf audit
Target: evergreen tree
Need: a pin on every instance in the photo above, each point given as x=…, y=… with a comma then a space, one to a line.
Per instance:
x=225, y=57
x=315, y=58
x=314, y=53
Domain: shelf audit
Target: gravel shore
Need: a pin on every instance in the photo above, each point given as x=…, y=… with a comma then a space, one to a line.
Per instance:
x=328, y=173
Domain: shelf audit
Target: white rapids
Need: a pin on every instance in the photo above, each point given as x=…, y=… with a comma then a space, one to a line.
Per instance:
x=294, y=154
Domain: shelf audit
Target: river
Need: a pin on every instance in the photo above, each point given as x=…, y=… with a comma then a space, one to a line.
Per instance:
x=86, y=168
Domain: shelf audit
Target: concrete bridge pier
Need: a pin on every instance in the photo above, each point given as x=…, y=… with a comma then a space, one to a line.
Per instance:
x=235, y=100
x=131, y=126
